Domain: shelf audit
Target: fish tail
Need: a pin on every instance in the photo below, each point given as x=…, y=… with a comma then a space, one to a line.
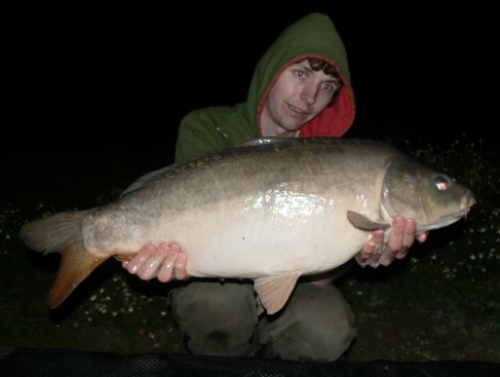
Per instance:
x=53, y=233
x=62, y=233
x=76, y=264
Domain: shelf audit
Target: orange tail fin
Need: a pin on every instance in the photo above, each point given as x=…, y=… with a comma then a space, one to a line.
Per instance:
x=76, y=265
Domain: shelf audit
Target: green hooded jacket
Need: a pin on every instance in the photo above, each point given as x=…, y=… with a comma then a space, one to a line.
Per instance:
x=215, y=128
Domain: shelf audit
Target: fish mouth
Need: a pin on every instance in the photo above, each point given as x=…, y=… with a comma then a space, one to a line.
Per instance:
x=465, y=205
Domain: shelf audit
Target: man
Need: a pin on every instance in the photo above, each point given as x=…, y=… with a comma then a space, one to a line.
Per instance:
x=300, y=88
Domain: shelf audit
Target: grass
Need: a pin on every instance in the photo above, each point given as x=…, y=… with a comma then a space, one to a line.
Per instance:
x=440, y=303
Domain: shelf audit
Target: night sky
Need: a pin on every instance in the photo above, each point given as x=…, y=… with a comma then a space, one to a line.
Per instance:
x=105, y=80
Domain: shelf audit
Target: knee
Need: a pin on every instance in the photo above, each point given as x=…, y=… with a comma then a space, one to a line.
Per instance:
x=212, y=299
x=216, y=319
x=318, y=324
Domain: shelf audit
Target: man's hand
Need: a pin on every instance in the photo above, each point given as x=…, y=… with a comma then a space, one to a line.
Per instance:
x=165, y=261
x=376, y=253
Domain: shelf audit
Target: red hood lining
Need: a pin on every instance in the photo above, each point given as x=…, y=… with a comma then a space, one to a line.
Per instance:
x=333, y=121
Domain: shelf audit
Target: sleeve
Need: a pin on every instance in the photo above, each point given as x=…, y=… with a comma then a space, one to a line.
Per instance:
x=196, y=136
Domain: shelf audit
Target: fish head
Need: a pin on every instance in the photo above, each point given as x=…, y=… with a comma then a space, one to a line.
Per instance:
x=432, y=198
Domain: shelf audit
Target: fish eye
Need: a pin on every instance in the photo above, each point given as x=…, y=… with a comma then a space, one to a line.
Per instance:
x=441, y=182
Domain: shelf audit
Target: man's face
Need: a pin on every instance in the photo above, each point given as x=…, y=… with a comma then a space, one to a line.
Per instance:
x=298, y=95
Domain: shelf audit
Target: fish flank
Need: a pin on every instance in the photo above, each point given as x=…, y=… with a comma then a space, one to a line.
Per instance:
x=270, y=211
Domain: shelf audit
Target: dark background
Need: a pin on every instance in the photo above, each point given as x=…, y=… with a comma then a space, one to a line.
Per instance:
x=91, y=95
x=92, y=79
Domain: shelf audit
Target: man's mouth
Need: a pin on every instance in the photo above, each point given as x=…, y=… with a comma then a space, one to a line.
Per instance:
x=298, y=110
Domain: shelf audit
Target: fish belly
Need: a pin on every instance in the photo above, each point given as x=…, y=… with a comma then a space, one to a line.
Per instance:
x=242, y=241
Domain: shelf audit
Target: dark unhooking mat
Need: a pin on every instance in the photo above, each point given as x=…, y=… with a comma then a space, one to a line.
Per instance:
x=66, y=363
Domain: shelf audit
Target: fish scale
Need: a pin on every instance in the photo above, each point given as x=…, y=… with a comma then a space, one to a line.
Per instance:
x=271, y=210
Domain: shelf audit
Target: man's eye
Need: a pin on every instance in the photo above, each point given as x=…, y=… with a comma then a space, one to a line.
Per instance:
x=328, y=87
x=299, y=73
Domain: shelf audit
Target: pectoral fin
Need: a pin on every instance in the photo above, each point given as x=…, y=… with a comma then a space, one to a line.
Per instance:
x=362, y=222
x=274, y=291
x=76, y=264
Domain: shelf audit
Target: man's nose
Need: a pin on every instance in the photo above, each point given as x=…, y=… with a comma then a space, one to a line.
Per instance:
x=309, y=94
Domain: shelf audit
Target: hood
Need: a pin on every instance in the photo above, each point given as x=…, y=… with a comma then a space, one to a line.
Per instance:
x=312, y=36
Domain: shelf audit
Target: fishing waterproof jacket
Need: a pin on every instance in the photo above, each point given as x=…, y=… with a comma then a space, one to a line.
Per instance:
x=215, y=128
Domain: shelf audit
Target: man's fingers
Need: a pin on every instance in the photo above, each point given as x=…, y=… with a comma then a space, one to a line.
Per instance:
x=167, y=268
x=149, y=268
x=401, y=238
x=378, y=245
x=180, y=267
x=397, y=234
x=422, y=237
x=136, y=262
x=372, y=249
x=409, y=234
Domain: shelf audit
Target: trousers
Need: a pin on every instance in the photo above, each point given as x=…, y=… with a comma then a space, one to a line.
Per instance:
x=220, y=319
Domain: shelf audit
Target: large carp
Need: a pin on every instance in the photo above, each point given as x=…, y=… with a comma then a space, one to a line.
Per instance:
x=270, y=210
